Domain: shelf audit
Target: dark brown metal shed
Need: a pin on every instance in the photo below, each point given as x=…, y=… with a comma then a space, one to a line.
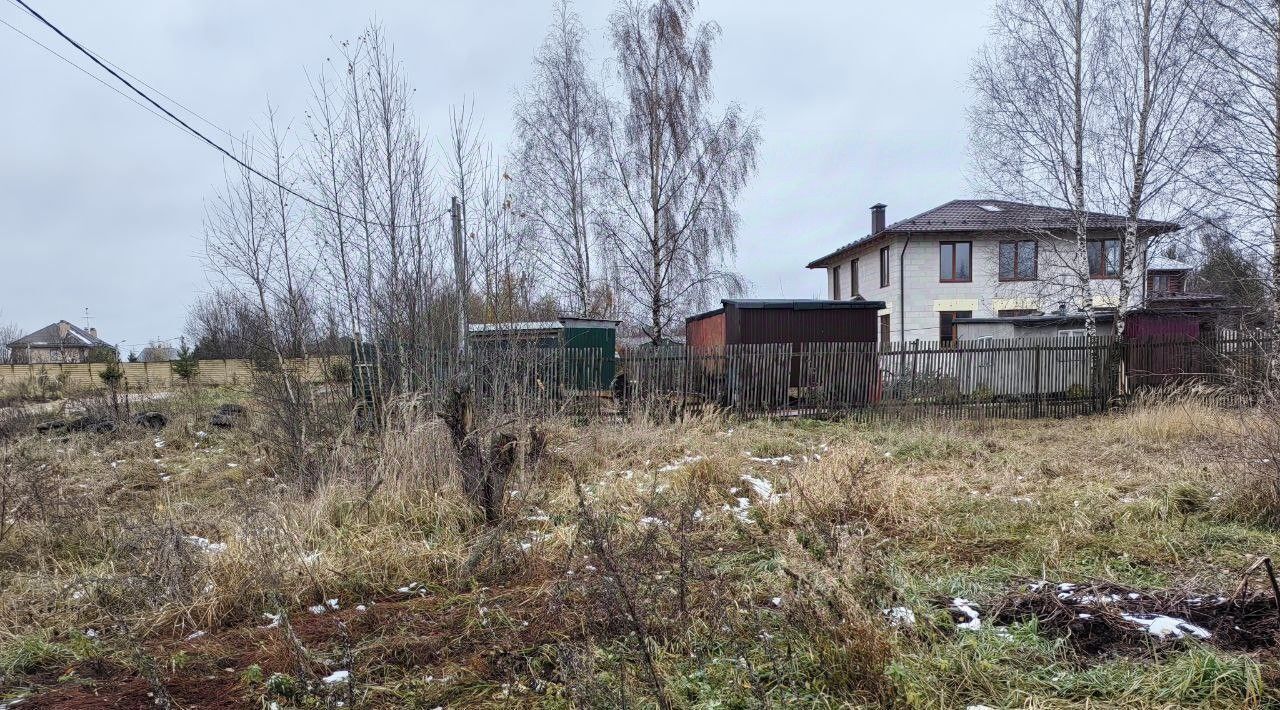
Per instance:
x=743, y=321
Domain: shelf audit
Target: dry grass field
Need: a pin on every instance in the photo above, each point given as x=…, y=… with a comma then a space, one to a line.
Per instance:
x=1096, y=562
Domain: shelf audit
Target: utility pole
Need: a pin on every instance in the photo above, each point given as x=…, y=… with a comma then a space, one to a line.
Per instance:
x=460, y=274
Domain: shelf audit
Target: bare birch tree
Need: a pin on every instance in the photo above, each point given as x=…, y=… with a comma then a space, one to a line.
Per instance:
x=558, y=121
x=1149, y=123
x=1237, y=166
x=673, y=169
x=1032, y=132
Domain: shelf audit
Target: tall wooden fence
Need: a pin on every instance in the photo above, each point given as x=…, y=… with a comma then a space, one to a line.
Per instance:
x=1020, y=378
x=151, y=375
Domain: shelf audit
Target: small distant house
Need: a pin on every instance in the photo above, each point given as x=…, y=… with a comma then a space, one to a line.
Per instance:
x=61, y=342
x=983, y=259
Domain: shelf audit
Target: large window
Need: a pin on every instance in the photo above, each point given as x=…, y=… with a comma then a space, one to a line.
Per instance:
x=955, y=262
x=886, y=330
x=835, y=283
x=884, y=267
x=1104, y=258
x=946, y=324
x=853, y=278
x=1018, y=260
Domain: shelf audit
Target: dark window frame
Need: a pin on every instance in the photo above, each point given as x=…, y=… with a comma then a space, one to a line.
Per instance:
x=1035, y=260
x=955, y=260
x=943, y=337
x=884, y=267
x=1103, y=263
x=886, y=328
x=854, y=290
x=835, y=282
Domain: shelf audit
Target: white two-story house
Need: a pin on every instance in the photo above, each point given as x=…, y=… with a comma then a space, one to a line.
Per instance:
x=978, y=259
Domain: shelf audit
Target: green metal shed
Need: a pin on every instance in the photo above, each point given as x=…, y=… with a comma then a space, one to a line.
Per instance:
x=589, y=345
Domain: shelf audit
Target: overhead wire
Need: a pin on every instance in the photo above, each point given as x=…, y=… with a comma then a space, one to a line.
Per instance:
x=193, y=131
x=88, y=73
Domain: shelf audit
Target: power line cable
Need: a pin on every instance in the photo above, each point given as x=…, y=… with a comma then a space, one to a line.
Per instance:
x=88, y=73
x=213, y=144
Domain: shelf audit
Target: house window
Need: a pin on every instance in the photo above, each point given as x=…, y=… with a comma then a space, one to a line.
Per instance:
x=1104, y=258
x=1071, y=332
x=1164, y=283
x=946, y=324
x=886, y=331
x=1015, y=312
x=853, y=278
x=955, y=262
x=884, y=267
x=835, y=283
x=1018, y=260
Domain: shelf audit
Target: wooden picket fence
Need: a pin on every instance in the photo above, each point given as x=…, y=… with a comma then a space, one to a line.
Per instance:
x=1016, y=378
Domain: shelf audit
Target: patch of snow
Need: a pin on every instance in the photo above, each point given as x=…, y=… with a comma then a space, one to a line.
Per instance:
x=336, y=677
x=203, y=544
x=1167, y=626
x=772, y=461
x=777, y=601
x=763, y=488
x=91, y=633
x=361, y=608
x=201, y=434
x=318, y=609
x=742, y=511
x=332, y=604
x=964, y=606
x=649, y=520
x=311, y=557
x=275, y=620
x=900, y=616
x=680, y=463
x=194, y=635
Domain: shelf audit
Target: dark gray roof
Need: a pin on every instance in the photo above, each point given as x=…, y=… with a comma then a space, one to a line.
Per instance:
x=995, y=216
x=47, y=337
x=800, y=304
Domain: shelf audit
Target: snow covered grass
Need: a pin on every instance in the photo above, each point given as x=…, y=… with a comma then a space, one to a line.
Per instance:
x=757, y=558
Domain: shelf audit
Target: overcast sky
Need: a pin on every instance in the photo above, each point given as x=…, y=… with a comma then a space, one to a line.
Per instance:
x=861, y=101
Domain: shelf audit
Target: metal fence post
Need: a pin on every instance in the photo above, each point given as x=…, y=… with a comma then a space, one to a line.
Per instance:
x=1035, y=405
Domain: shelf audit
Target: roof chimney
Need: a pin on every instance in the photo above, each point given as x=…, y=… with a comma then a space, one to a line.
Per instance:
x=93, y=332
x=63, y=328
x=877, y=218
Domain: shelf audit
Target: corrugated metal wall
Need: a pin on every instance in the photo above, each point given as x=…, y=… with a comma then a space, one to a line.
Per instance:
x=785, y=325
x=706, y=332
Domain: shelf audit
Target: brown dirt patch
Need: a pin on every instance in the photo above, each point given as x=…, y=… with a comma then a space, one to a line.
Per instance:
x=1103, y=619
